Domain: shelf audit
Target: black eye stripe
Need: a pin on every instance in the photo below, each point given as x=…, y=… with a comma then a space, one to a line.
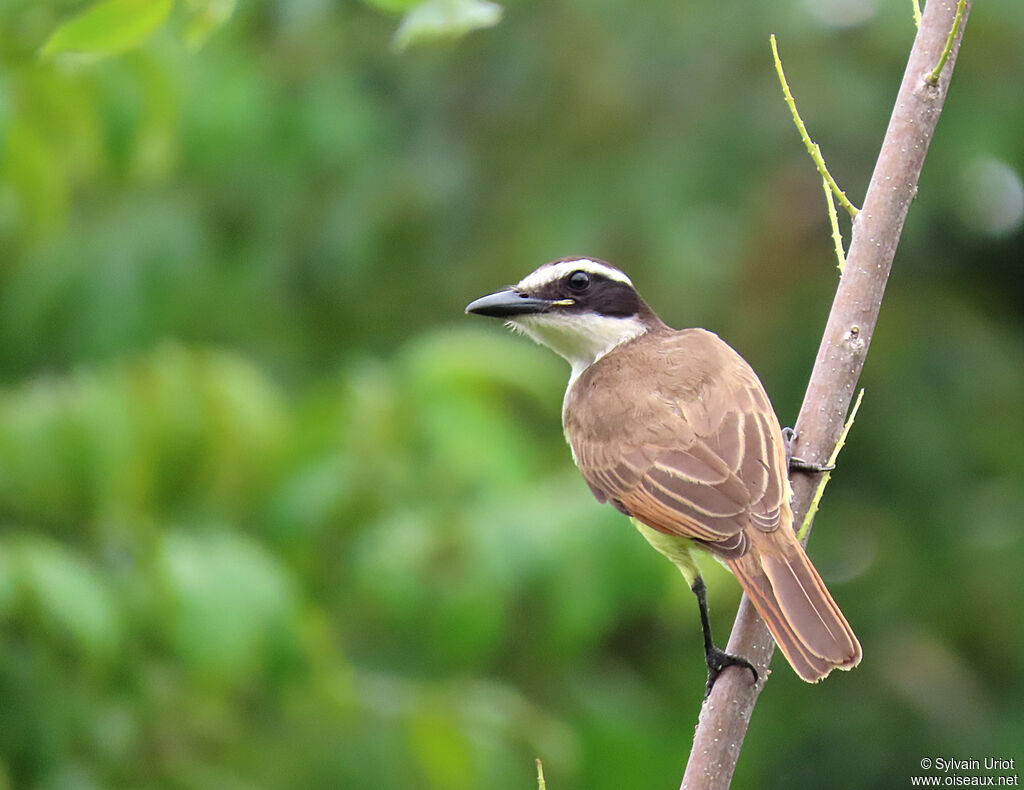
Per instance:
x=602, y=296
x=612, y=298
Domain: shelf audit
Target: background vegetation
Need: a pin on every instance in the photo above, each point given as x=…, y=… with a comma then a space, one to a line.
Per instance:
x=275, y=514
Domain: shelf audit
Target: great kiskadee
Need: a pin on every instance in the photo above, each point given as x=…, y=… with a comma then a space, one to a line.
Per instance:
x=675, y=430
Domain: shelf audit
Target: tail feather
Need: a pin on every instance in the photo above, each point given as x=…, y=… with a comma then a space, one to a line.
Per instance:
x=810, y=609
x=796, y=606
x=807, y=665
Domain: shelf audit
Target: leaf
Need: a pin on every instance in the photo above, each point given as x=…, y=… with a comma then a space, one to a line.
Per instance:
x=432, y=20
x=461, y=360
x=230, y=600
x=207, y=16
x=109, y=27
x=68, y=592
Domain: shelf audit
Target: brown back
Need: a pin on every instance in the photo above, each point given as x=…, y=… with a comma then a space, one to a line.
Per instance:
x=675, y=428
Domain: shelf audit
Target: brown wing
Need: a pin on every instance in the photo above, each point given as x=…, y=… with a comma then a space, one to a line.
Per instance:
x=679, y=433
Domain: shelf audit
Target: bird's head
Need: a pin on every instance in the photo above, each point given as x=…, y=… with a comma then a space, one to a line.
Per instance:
x=578, y=307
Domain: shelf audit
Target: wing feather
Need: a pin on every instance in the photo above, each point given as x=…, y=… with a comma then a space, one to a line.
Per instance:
x=680, y=434
x=701, y=456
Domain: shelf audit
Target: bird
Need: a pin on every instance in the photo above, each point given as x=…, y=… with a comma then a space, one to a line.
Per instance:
x=675, y=430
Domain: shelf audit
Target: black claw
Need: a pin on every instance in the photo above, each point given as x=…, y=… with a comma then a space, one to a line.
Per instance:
x=799, y=464
x=717, y=660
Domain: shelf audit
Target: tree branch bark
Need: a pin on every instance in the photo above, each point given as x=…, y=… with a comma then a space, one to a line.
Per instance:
x=725, y=715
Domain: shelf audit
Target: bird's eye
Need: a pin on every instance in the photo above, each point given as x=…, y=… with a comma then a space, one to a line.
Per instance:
x=579, y=280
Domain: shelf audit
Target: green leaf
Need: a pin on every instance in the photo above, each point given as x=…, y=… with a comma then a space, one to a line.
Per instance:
x=464, y=359
x=231, y=600
x=109, y=27
x=70, y=595
x=207, y=16
x=432, y=20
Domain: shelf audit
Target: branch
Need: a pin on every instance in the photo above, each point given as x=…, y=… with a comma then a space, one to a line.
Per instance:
x=725, y=715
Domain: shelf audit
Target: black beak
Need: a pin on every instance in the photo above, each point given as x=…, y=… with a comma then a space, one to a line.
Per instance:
x=505, y=304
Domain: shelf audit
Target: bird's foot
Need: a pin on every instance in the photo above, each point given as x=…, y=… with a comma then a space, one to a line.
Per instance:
x=717, y=660
x=799, y=464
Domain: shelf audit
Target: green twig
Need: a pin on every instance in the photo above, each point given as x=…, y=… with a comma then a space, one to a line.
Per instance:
x=813, y=509
x=833, y=220
x=812, y=147
x=933, y=78
x=541, y=784
x=917, y=12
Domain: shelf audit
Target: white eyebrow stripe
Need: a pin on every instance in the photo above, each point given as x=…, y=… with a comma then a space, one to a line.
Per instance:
x=550, y=272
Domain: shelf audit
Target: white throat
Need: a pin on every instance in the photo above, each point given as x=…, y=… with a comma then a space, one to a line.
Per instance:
x=582, y=338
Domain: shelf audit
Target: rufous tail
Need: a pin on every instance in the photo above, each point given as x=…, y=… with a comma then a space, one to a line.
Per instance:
x=793, y=601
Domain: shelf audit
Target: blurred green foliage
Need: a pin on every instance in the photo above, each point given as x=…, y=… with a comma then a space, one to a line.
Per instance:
x=274, y=514
x=109, y=27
